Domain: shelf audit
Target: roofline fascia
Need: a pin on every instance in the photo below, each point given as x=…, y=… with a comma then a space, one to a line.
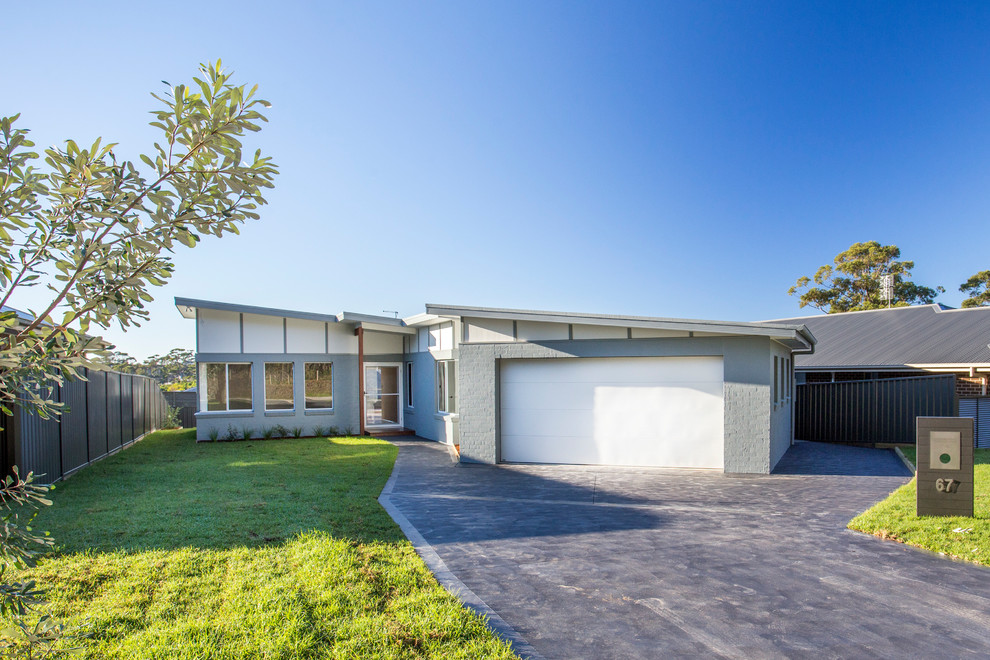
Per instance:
x=252, y=309
x=800, y=333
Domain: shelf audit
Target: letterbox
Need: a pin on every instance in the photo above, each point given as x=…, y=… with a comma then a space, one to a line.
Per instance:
x=945, y=466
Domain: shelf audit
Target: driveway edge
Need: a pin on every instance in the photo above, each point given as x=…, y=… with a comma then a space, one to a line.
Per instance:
x=448, y=580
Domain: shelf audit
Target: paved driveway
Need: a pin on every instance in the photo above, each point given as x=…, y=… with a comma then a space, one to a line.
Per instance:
x=626, y=563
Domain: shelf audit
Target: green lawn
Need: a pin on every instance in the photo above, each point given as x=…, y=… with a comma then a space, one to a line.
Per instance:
x=258, y=549
x=894, y=518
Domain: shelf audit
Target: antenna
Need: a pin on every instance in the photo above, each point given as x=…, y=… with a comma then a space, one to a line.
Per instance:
x=394, y=313
x=887, y=289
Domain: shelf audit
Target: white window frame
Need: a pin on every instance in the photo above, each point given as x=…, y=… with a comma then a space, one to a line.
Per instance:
x=265, y=387
x=443, y=374
x=333, y=375
x=204, y=403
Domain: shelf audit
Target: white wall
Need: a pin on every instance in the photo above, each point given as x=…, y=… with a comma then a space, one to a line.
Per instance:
x=305, y=336
x=486, y=330
x=599, y=332
x=218, y=332
x=264, y=334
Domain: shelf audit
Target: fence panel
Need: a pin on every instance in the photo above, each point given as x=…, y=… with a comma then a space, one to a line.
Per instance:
x=74, y=426
x=97, y=418
x=126, y=409
x=115, y=432
x=871, y=411
x=186, y=403
x=40, y=448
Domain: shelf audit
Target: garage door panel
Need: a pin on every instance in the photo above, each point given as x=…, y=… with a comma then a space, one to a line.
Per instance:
x=547, y=422
x=664, y=412
x=615, y=370
x=567, y=396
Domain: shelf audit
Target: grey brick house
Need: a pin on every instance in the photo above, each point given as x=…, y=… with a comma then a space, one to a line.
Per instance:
x=508, y=385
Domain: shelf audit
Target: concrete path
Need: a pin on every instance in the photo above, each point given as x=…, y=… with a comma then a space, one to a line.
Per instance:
x=645, y=563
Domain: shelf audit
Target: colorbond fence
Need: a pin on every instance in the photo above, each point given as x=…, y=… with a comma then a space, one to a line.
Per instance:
x=871, y=411
x=186, y=403
x=103, y=414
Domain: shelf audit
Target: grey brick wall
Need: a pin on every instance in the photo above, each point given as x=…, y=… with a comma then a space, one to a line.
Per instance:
x=748, y=365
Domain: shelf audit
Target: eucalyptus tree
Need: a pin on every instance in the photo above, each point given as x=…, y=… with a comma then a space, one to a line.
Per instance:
x=96, y=230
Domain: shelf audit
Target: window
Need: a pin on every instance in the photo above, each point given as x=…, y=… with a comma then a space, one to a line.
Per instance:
x=409, y=385
x=776, y=380
x=446, y=384
x=278, y=386
x=228, y=386
x=319, y=385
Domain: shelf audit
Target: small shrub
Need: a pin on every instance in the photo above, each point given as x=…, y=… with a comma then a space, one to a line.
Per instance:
x=281, y=431
x=247, y=432
x=297, y=431
x=267, y=432
x=320, y=431
x=349, y=430
x=333, y=432
x=231, y=433
x=214, y=435
x=171, y=418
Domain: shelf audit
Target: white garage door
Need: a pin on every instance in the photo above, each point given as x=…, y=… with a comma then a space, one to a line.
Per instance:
x=664, y=412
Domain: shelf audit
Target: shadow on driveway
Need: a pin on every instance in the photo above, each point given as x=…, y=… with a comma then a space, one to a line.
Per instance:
x=821, y=458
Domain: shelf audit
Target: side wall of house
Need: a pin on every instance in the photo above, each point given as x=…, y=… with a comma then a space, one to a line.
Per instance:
x=431, y=344
x=748, y=380
x=782, y=397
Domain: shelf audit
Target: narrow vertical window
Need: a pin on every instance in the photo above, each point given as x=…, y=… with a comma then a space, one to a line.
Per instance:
x=319, y=385
x=409, y=384
x=216, y=387
x=446, y=383
x=278, y=386
x=776, y=380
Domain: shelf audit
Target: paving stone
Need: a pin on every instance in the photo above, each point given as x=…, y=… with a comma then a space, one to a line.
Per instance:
x=593, y=562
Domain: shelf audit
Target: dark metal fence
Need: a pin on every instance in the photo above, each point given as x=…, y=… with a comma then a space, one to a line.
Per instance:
x=186, y=403
x=871, y=411
x=103, y=413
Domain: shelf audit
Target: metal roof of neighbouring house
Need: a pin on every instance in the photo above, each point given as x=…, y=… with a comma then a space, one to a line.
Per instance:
x=922, y=335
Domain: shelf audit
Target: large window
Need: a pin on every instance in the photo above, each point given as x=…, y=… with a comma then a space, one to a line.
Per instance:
x=446, y=394
x=228, y=386
x=319, y=385
x=278, y=386
x=409, y=384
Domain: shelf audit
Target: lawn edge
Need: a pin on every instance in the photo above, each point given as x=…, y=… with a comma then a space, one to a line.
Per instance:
x=447, y=579
x=904, y=459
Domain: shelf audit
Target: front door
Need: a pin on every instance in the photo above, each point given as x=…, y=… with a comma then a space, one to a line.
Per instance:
x=382, y=396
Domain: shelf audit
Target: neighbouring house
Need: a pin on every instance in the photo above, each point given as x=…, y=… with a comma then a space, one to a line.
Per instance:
x=901, y=342
x=898, y=342
x=507, y=385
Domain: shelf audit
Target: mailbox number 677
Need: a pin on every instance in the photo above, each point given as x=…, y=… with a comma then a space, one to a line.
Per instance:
x=946, y=485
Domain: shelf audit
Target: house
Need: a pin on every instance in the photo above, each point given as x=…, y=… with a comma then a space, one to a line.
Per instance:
x=898, y=342
x=507, y=385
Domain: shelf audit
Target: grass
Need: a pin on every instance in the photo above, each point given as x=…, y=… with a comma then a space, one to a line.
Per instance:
x=894, y=518
x=257, y=549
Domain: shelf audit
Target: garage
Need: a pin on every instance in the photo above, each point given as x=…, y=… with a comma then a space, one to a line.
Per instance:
x=635, y=411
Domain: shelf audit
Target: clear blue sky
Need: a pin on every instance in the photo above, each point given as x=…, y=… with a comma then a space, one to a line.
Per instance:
x=685, y=159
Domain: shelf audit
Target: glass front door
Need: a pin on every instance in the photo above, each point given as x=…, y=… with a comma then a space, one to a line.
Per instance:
x=382, y=396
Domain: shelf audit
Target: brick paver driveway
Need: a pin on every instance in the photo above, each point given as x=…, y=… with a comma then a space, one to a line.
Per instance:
x=625, y=563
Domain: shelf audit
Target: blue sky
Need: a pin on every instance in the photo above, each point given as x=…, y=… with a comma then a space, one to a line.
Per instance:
x=684, y=159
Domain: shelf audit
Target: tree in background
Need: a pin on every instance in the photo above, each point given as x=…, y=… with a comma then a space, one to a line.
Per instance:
x=854, y=281
x=978, y=288
x=176, y=370
x=98, y=233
